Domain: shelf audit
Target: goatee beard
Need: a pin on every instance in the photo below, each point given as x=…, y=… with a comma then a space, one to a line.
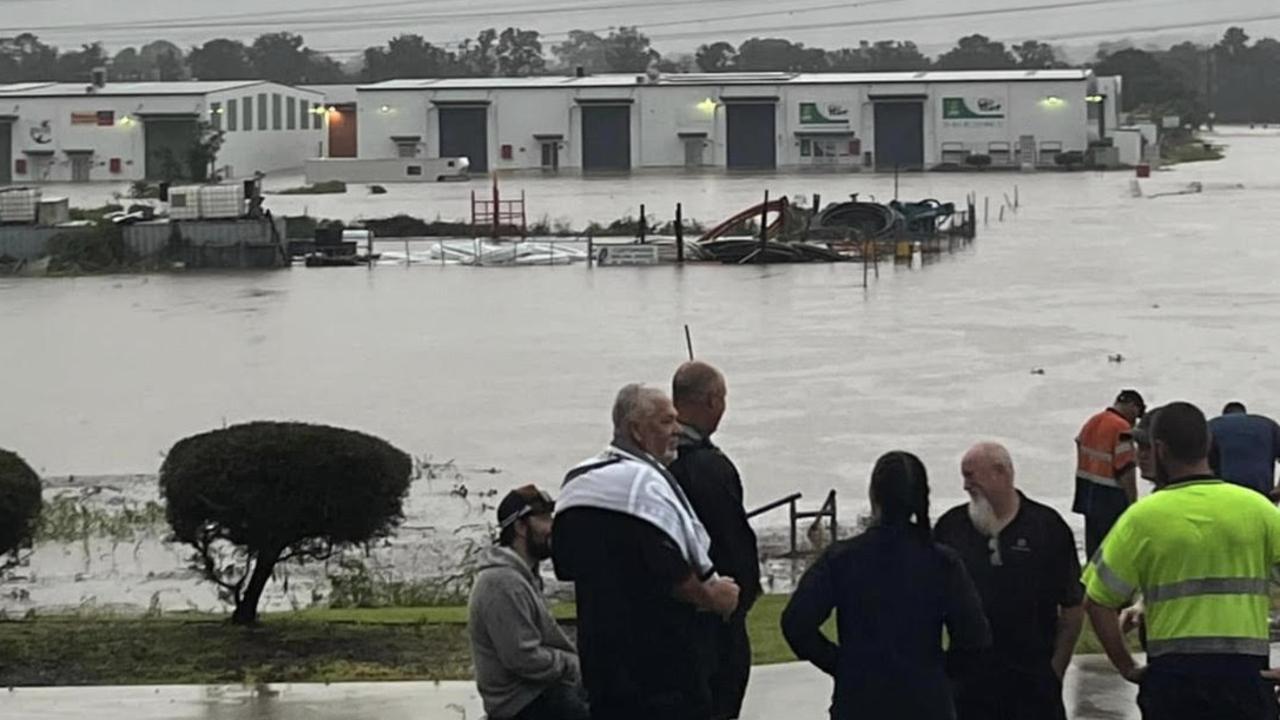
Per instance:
x=983, y=515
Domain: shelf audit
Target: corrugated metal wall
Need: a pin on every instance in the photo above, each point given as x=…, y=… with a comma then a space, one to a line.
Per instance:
x=147, y=239
x=27, y=242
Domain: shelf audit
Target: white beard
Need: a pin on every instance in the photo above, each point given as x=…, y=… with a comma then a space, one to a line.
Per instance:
x=983, y=516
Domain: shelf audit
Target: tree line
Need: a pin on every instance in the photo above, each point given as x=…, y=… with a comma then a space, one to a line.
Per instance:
x=1237, y=79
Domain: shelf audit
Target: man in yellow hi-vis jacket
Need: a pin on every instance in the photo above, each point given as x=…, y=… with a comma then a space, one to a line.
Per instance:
x=1200, y=552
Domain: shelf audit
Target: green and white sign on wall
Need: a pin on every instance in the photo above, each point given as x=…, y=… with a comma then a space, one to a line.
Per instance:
x=973, y=111
x=972, y=108
x=824, y=114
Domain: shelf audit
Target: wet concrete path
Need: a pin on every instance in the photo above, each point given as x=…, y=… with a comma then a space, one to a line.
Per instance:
x=794, y=690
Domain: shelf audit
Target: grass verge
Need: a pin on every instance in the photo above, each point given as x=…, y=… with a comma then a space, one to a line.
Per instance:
x=330, y=187
x=1192, y=151
x=316, y=645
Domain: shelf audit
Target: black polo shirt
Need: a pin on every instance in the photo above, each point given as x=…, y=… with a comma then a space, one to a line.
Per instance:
x=1039, y=572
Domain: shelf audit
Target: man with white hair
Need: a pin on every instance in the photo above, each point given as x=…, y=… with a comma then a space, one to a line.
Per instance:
x=627, y=536
x=1022, y=557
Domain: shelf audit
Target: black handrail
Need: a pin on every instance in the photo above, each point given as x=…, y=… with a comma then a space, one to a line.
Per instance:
x=774, y=505
x=828, y=510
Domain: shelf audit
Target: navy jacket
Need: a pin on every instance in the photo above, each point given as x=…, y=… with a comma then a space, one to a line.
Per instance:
x=893, y=593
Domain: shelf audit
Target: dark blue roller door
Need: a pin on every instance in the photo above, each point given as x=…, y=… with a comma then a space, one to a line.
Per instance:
x=899, y=135
x=6, y=152
x=606, y=138
x=464, y=132
x=168, y=144
x=751, y=132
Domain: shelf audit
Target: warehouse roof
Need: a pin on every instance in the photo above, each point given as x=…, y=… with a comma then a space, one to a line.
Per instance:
x=129, y=89
x=759, y=78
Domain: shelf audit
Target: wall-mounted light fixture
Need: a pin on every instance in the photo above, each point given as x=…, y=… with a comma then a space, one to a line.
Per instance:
x=1053, y=101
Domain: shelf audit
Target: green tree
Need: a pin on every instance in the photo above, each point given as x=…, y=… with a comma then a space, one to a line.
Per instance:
x=778, y=55
x=250, y=497
x=976, y=52
x=519, y=53
x=128, y=66
x=323, y=70
x=166, y=59
x=881, y=56
x=20, y=505
x=25, y=59
x=479, y=57
x=284, y=58
x=582, y=49
x=1238, y=79
x=202, y=155
x=408, y=56
x=1149, y=86
x=78, y=65
x=1264, y=57
x=221, y=59
x=628, y=50
x=1035, y=55
x=716, y=57
x=682, y=63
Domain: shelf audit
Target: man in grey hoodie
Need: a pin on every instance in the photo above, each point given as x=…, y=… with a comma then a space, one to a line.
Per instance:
x=526, y=667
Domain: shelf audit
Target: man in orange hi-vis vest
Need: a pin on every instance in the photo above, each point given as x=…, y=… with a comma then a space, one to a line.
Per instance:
x=1106, y=483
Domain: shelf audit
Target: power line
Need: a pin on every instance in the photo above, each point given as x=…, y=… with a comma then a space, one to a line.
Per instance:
x=773, y=29
x=307, y=18
x=958, y=14
x=1148, y=29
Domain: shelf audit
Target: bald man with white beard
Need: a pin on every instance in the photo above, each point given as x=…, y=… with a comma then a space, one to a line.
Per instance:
x=1022, y=558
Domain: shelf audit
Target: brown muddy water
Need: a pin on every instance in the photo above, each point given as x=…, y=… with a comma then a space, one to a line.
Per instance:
x=513, y=369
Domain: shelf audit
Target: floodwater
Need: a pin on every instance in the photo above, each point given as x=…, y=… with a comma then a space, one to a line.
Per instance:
x=514, y=369
x=1092, y=691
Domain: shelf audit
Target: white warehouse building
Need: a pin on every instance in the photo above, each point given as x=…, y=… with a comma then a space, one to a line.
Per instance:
x=69, y=132
x=749, y=121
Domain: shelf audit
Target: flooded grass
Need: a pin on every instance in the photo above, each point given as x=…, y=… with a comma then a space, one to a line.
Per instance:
x=317, y=645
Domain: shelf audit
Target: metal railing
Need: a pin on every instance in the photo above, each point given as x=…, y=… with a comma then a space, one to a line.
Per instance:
x=828, y=510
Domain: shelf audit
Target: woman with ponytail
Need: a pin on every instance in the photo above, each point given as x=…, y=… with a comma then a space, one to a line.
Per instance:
x=893, y=591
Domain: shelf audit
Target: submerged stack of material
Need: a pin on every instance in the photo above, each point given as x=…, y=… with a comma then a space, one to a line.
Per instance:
x=924, y=217
x=751, y=252
x=501, y=254
x=867, y=221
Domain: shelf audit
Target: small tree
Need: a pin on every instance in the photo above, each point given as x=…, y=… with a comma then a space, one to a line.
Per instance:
x=20, y=505
x=202, y=154
x=252, y=496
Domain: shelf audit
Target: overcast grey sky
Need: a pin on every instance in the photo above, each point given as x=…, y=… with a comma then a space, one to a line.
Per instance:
x=675, y=25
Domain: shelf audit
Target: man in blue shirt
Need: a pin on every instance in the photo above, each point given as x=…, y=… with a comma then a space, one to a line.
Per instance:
x=1246, y=448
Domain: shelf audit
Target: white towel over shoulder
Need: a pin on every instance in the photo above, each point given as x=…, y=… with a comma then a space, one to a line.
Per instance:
x=639, y=487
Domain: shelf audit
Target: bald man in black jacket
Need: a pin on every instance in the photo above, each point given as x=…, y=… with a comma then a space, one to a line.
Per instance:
x=713, y=486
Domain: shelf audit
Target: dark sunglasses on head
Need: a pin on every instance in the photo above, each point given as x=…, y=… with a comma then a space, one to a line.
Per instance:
x=540, y=504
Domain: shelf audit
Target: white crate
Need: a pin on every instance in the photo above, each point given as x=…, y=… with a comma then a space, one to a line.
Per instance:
x=184, y=203
x=222, y=201
x=19, y=205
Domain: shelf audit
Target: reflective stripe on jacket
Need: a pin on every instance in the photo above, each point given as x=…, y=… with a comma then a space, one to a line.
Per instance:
x=1104, y=449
